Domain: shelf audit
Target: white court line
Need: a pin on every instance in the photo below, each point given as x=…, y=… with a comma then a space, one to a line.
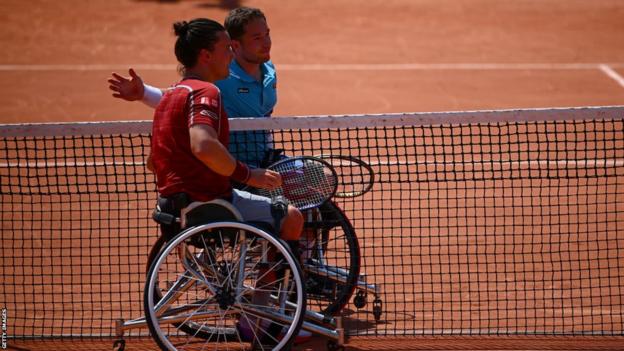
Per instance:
x=88, y=67
x=612, y=74
x=323, y=67
x=442, y=66
x=470, y=165
x=509, y=164
x=60, y=164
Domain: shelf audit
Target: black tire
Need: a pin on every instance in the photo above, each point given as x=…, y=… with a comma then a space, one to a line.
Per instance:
x=339, y=248
x=154, y=251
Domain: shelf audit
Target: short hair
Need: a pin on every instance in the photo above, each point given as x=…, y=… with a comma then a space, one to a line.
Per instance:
x=238, y=18
x=200, y=33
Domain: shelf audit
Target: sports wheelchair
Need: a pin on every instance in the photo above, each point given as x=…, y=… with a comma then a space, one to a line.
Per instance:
x=221, y=280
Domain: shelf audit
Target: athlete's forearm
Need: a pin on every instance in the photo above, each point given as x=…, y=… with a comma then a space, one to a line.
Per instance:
x=207, y=148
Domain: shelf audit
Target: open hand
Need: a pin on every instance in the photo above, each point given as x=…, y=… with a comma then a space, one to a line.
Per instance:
x=129, y=89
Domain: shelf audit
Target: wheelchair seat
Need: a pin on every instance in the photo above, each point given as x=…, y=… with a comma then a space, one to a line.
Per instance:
x=214, y=211
x=211, y=211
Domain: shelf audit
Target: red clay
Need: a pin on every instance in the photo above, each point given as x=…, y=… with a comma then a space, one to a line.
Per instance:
x=123, y=33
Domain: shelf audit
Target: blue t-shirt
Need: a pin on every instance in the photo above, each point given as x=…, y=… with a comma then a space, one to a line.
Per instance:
x=244, y=96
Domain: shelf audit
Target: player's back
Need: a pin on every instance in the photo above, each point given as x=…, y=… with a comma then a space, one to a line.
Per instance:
x=177, y=169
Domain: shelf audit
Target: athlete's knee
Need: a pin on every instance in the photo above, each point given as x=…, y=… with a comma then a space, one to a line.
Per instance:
x=292, y=225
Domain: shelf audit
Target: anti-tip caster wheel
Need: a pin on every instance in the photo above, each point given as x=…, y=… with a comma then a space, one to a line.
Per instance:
x=360, y=299
x=377, y=309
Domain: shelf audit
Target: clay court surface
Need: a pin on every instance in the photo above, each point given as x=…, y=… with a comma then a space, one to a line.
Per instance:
x=333, y=57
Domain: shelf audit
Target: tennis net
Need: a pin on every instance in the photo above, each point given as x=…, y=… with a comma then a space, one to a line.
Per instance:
x=478, y=223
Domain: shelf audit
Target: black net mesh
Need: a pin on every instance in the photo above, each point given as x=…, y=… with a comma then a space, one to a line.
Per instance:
x=480, y=228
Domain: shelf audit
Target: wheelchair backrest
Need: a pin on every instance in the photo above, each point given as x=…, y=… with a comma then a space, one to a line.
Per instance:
x=206, y=212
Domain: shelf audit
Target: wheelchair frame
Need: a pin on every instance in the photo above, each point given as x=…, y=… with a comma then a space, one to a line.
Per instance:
x=319, y=323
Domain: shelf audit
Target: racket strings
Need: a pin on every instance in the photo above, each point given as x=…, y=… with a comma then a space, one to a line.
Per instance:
x=306, y=183
x=355, y=176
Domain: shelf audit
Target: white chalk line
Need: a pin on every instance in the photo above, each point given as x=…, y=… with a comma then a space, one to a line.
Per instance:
x=323, y=67
x=468, y=165
x=612, y=74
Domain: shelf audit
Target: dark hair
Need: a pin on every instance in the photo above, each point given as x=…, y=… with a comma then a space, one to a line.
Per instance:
x=200, y=33
x=238, y=18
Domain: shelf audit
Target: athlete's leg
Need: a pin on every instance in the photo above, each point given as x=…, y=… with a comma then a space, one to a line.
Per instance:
x=255, y=208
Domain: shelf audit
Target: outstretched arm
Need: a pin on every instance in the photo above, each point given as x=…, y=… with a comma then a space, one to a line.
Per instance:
x=132, y=89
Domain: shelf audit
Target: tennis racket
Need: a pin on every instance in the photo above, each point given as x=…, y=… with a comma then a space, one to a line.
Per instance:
x=307, y=182
x=356, y=177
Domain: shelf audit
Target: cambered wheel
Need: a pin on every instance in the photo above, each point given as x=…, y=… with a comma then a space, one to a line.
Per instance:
x=331, y=260
x=229, y=282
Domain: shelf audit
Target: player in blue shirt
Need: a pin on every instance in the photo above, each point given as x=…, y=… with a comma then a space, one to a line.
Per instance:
x=249, y=97
x=246, y=96
x=249, y=91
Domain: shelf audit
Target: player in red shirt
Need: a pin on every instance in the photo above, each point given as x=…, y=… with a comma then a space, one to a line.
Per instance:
x=190, y=133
